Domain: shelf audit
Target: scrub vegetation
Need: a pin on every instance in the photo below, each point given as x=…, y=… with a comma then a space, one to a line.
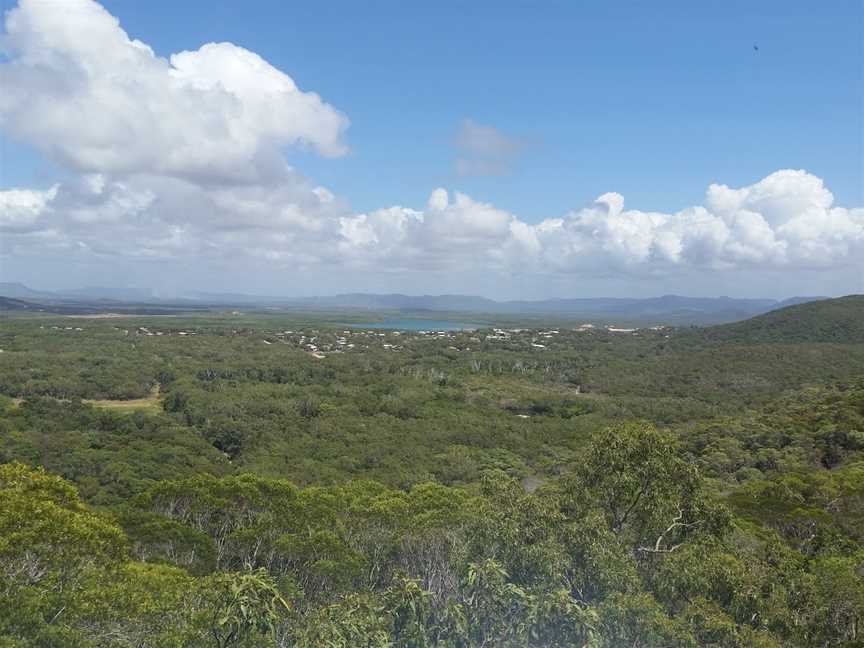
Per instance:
x=263, y=480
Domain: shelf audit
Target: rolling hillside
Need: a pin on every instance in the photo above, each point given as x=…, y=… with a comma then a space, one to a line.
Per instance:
x=838, y=320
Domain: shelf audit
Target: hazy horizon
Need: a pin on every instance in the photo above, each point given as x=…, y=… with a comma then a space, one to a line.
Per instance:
x=204, y=292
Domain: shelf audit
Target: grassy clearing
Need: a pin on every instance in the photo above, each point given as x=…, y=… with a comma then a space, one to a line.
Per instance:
x=7, y=403
x=150, y=405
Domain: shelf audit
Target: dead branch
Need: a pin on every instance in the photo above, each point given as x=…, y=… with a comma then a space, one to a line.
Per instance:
x=676, y=523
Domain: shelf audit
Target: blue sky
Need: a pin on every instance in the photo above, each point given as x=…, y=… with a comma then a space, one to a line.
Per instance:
x=621, y=96
x=653, y=103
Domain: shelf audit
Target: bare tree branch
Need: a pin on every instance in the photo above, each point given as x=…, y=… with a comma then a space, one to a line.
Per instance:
x=676, y=523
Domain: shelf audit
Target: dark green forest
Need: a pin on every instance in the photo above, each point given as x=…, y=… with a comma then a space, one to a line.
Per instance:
x=266, y=479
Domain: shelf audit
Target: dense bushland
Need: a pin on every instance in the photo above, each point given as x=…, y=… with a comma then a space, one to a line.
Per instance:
x=659, y=488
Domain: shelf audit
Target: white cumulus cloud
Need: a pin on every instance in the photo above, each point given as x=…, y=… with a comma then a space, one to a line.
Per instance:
x=20, y=209
x=785, y=220
x=79, y=88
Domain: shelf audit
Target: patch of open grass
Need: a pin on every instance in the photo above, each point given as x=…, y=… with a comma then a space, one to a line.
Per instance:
x=151, y=404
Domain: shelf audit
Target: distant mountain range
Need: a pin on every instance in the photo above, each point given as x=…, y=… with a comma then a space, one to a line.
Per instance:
x=668, y=308
x=671, y=309
x=20, y=291
x=578, y=306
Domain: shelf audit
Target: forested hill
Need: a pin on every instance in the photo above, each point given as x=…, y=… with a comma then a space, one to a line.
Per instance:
x=838, y=320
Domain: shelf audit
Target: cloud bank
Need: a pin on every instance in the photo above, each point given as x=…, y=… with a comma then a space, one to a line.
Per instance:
x=182, y=158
